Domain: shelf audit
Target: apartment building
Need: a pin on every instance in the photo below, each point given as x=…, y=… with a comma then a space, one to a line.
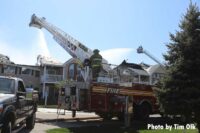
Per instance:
x=50, y=75
x=30, y=74
x=43, y=76
x=131, y=72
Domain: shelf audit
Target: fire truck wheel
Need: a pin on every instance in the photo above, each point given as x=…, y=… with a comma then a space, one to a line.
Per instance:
x=144, y=111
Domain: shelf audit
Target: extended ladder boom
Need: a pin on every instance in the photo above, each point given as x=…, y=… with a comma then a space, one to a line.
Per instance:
x=71, y=45
x=141, y=50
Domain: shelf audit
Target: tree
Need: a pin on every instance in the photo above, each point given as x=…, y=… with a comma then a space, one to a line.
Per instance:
x=180, y=91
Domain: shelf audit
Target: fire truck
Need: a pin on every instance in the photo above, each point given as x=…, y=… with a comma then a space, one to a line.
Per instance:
x=116, y=90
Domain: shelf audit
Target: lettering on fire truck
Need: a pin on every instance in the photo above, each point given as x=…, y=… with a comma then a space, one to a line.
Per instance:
x=112, y=90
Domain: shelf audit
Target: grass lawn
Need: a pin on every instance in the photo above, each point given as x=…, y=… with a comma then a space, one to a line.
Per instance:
x=58, y=130
x=113, y=130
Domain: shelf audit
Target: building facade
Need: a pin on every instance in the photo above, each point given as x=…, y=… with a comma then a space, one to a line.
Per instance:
x=131, y=72
x=40, y=77
x=50, y=75
x=156, y=72
x=30, y=74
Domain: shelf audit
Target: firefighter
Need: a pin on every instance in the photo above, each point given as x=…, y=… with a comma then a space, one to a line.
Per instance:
x=96, y=63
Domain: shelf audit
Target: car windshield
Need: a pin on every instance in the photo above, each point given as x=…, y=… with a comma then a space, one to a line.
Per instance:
x=6, y=85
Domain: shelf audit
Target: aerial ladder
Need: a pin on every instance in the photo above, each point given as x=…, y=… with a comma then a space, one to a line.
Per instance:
x=141, y=50
x=71, y=45
x=75, y=48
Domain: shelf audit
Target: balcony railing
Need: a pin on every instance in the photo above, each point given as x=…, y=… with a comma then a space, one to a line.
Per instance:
x=51, y=78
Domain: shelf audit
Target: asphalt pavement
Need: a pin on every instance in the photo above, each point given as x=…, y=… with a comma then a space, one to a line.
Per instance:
x=47, y=118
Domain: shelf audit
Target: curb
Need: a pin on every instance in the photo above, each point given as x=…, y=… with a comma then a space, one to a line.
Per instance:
x=39, y=120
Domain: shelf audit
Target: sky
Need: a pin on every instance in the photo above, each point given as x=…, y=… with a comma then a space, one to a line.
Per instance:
x=115, y=27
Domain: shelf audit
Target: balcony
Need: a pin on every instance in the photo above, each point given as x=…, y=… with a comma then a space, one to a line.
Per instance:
x=50, y=78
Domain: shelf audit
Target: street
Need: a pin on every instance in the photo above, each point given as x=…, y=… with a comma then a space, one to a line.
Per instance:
x=48, y=119
x=89, y=122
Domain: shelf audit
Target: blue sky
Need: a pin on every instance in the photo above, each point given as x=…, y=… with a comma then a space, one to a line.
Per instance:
x=115, y=27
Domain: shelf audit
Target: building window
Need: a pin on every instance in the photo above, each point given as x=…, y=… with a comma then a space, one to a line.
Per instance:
x=60, y=71
x=19, y=70
x=37, y=73
x=51, y=71
x=32, y=72
x=26, y=71
x=1, y=68
x=144, y=78
x=16, y=68
x=9, y=69
x=136, y=78
x=54, y=70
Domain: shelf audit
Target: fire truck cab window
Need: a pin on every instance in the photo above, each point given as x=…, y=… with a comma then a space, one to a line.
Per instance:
x=71, y=71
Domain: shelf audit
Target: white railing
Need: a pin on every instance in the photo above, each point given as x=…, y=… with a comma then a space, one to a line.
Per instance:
x=51, y=78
